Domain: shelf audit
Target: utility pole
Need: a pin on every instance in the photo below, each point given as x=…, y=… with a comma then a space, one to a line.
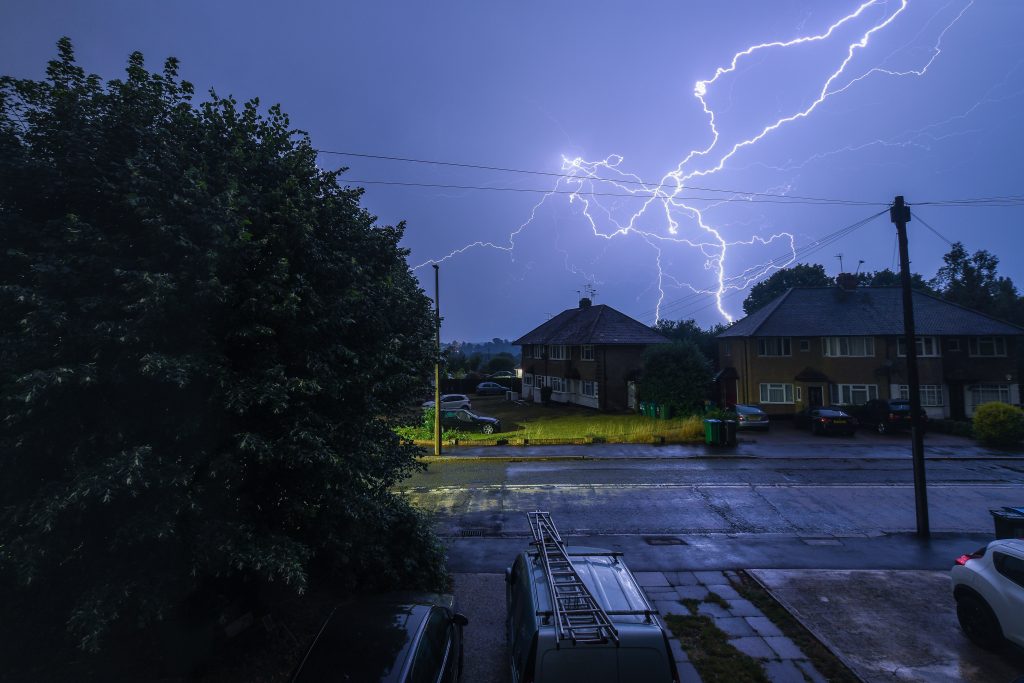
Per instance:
x=437, y=362
x=899, y=213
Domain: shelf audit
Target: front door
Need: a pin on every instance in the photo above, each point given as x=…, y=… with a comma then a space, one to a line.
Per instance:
x=814, y=399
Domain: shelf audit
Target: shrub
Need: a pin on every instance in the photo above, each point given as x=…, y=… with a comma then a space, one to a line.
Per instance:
x=545, y=394
x=999, y=424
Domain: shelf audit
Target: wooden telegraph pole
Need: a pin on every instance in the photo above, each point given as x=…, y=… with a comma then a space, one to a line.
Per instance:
x=899, y=213
x=437, y=361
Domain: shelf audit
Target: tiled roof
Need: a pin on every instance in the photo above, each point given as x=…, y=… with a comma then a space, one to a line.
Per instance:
x=832, y=311
x=597, y=324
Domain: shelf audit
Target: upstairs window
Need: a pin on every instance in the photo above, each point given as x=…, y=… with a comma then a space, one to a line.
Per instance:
x=774, y=346
x=557, y=352
x=848, y=346
x=587, y=352
x=988, y=346
x=926, y=346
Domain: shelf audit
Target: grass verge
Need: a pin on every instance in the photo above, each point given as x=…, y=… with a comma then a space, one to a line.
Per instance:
x=827, y=664
x=710, y=652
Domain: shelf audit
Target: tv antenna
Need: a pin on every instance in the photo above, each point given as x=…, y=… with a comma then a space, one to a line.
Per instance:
x=840, y=257
x=859, y=264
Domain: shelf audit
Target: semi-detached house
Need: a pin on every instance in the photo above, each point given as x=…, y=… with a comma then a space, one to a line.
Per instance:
x=590, y=355
x=821, y=346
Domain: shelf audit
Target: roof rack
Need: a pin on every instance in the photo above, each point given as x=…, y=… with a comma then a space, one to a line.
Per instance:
x=578, y=616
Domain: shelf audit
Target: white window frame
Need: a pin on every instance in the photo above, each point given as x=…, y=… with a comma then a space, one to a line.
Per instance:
x=931, y=395
x=927, y=347
x=587, y=352
x=974, y=347
x=774, y=347
x=1001, y=390
x=589, y=388
x=558, y=352
x=848, y=347
x=767, y=389
x=558, y=385
x=843, y=394
x=527, y=380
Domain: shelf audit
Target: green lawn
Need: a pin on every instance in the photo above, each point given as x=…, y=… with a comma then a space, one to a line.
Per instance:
x=557, y=422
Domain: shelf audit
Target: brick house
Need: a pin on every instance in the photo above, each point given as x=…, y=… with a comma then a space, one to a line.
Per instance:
x=825, y=346
x=588, y=355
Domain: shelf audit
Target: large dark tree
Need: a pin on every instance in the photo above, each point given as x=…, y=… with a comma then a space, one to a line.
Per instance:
x=689, y=330
x=973, y=281
x=202, y=338
x=800, y=275
x=676, y=374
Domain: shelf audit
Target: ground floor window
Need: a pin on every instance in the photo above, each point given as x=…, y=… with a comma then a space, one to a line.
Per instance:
x=772, y=392
x=589, y=388
x=852, y=394
x=931, y=394
x=987, y=393
x=558, y=385
x=527, y=380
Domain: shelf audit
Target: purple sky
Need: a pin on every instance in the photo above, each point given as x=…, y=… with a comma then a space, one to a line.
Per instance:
x=929, y=108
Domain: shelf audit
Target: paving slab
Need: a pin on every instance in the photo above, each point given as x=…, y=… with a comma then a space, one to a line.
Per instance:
x=889, y=625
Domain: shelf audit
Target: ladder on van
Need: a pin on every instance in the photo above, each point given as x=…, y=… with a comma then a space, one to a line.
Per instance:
x=578, y=616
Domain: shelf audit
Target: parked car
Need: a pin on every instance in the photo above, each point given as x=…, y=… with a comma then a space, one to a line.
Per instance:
x=467, y=421
x=451, y=402
x=988, y=586
x=490, y=388
x=826, y=421
x=639, y=650
x=394, y=638
x=887, y=415
x=751, y=417
x=502, y=374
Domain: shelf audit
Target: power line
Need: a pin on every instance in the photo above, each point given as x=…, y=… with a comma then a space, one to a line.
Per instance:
x=636, y=195
x=923, y=222
x=649, y=186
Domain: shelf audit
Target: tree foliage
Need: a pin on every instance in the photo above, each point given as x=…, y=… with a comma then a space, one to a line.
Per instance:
x=689, y=330
x=973, y=281
x=676, y=374
x=202, y=335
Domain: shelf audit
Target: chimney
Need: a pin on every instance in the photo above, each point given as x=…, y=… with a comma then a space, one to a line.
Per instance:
x=585, y=302
x=846, y=281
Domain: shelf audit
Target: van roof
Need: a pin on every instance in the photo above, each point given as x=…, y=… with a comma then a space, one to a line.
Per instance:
x=606, y=577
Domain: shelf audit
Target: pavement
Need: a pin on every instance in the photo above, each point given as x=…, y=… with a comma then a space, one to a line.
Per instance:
x=885, y=625
x=782, y=441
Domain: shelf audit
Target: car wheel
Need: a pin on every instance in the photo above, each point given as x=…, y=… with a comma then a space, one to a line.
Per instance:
x=978, y=622
x=487, y=429
x=882, y=428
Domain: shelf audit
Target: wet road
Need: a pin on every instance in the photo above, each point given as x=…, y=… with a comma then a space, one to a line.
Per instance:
x=769, y=512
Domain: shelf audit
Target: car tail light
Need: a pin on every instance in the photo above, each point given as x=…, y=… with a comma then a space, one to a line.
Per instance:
x=893, y=416
x=741, y=418
x=962, y=560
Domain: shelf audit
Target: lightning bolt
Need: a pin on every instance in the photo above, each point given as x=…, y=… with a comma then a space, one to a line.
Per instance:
x=664, y=201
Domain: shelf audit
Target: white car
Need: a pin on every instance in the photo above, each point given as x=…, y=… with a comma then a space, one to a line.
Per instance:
x=988, y=585
x=451, y=402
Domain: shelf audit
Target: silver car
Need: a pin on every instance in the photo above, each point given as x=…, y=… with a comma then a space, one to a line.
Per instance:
x=451, y=402
x=751, y=417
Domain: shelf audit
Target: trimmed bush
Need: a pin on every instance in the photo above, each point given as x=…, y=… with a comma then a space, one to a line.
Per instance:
x=999, y=424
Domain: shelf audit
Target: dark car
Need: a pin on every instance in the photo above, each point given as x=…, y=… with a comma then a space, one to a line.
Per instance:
x=750, y=417
x=485, y=388
x=826, y=421
x=887, y=415
x=467, y=421
x=396, y=638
